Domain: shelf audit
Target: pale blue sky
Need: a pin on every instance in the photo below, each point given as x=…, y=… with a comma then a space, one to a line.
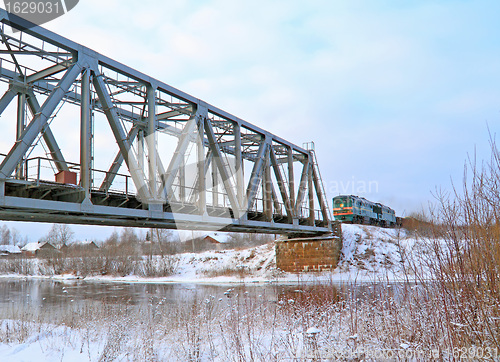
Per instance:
x=396, y=92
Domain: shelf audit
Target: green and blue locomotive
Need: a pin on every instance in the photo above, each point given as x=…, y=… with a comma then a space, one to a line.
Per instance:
x=358, y=210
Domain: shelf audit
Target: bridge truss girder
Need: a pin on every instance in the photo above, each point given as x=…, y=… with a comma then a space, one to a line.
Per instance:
x=217, y=188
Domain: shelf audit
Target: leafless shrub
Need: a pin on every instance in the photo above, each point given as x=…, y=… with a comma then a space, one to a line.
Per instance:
x=465, y=255
x=156, y=266
x=18, y=265
x=240, y=271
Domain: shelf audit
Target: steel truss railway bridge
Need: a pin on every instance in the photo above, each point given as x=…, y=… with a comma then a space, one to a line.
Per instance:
x=143, y=153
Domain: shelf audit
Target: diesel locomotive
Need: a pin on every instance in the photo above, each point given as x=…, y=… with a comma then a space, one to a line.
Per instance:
x=358, y=210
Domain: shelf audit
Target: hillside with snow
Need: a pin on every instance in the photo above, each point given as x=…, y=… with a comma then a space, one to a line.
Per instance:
x=368, y=253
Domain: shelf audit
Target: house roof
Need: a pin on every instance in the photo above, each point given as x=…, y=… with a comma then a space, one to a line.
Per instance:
x=31, y=247
x=219, y=237
x=88, y=243
x=80, y=244
x=10, y=249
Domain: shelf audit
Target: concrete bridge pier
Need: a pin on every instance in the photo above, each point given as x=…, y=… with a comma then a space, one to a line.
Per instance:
x=310, y=254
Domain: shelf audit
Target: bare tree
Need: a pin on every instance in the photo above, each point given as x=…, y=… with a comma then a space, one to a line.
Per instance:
x=128, y=236
x=5, y=235
x=165, y=240
x=59, y=235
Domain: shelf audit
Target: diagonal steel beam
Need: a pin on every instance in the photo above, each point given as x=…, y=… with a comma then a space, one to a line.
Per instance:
x=281, y=185
x=124, y=144
x=276, y=201
x=48, y=136
x=47, y=72
x=166, y=193
x=217, y=154
x=180, y=151
x=256, y=176
x=117, y=163
x=6, y=99
x=39, y=122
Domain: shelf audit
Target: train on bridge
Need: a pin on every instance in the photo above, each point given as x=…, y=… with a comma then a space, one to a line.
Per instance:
x=358, y=210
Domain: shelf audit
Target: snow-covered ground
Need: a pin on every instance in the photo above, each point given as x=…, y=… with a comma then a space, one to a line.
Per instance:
x=369, y=254
x=243, y=327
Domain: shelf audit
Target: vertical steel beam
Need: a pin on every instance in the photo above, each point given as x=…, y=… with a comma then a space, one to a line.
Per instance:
x=21, y=124
x=48, y=136
x=151, y=141
x=240, y=192
x=85, y=134
x=121, y=138
x=311, y=195
x=39, y=122
x=182, y=180
x=267, y=191
x=140, y=149
x=201, y=181
x=291, y=177
x=215, y=186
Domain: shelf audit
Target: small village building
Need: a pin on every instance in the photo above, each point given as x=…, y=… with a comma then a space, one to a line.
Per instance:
x=7, y=251
x=217, y=239
x=44, y=249
x=87, y=246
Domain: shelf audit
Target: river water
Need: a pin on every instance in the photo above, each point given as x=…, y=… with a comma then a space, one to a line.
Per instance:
x=36, y=294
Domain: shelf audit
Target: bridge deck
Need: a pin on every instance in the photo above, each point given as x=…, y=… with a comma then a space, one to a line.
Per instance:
x=46, y=201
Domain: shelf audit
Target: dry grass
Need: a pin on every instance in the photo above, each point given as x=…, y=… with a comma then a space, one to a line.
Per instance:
x=354, y=320
x=93, y=265
x=240, y=271
x=452, y=312
x=463, y=259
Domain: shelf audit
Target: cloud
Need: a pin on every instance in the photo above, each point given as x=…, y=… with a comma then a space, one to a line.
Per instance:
x=397, y=92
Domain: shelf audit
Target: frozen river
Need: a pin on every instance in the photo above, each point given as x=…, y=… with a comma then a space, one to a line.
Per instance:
x=79, y=320
x=36, y=294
